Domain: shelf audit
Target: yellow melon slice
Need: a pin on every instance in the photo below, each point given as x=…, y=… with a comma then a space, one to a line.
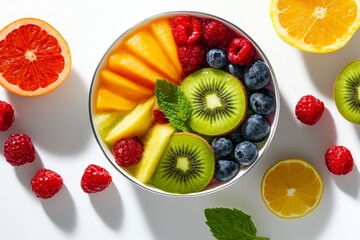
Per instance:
x=131, y=67
x=110, y=101
x=124, y=86
x=144, y=45
x=161, y=29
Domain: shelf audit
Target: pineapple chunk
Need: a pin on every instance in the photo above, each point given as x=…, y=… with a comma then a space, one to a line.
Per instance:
x=144, y=45
x=106, y=121
x=136, y=123
x=109, y=101
x=155, y=143
x=124, y=86
x=131, y=67
x=162, y=31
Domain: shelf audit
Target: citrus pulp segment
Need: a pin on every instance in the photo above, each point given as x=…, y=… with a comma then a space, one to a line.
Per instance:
x=34, y=58
x=291, y=188
x=315, y=26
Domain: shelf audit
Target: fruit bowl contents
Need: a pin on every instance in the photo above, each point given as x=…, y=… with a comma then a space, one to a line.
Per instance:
x=184, y=103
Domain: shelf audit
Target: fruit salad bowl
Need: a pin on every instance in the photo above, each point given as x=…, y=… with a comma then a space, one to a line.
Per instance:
x=184, y=104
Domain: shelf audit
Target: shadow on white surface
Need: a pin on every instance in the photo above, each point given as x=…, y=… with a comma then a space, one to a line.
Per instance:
x=108, y=206
x=324, y=68
x=357, y=130
x=57, y=121
x=61, y=210
x=349, y=184
x=173, y=217
x=27, y=171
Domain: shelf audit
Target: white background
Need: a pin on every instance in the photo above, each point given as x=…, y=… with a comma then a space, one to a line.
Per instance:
x=60, y=128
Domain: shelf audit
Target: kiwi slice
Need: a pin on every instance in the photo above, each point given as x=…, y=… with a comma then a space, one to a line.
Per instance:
x=218, y=101
x=186, y=166
x=347, y=92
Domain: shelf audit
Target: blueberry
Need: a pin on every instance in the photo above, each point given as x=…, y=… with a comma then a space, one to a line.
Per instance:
x=257, y=75
x=222, y=146
x=216, y=58
x=255, y=128
x=235, y=70
x=235, y=135
x=246, y=153
x=225, y=170
x=263, y=102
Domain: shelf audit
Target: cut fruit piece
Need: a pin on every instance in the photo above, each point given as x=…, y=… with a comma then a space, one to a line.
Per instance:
x=34, y=58
x=124, y=86
x=110, y=101
x=218, y=101
x=155, y=143
x=347, y=92
x=161, y=29
x=144, y=46
x=292, y=188
x=104, y=122
x=133, y=68
x=136, y=124
x=315, y=26
x=186, y=166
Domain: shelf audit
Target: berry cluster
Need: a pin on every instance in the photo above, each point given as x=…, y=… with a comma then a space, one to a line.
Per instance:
x=239, y=147
x=19, y=149
x=199, y=40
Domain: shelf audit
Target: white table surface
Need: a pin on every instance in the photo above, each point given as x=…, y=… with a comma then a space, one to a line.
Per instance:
x=60, y=128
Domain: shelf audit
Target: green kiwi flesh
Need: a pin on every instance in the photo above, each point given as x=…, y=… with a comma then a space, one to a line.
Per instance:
x=347, y=92
x=186, y=166
x=218, y=101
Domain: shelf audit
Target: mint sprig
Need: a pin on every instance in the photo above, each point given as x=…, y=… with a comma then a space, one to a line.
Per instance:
x=231, y=224
x=173, y=104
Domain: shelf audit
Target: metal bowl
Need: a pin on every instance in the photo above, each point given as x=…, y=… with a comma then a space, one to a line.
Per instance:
x=211, y=188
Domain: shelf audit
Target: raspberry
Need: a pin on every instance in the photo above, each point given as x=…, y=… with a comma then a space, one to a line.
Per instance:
x=19, y=149
x=216, y=34
x=241, y=51
x=46, y=183
x=309, y=109
x=160, y=116
x=186, y=30
x=6, y=116
x=339, y=160
x=127, y=151
x=192, y=58
x=95, y=179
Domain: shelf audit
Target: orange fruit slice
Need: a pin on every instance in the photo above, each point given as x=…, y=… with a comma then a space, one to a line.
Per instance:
x=291, y=188
x=34, y=57
x=315, y=26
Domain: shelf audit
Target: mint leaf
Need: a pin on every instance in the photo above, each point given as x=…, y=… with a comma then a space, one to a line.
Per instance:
x=230, y=224
x=173, y=104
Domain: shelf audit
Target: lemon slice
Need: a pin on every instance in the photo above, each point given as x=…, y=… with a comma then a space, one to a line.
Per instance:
x=291, y=188
x=315, y=26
